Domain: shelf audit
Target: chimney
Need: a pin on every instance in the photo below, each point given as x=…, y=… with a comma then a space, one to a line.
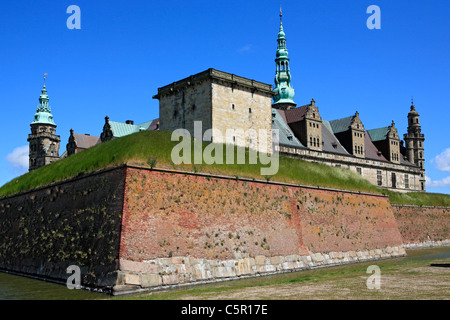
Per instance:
x=129, y=122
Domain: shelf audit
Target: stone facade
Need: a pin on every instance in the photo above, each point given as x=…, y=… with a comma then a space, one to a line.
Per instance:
x=379, y=173
x=235, y=108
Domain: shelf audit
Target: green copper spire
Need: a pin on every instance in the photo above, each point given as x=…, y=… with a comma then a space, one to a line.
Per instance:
x=43, y=113
x=284, y=93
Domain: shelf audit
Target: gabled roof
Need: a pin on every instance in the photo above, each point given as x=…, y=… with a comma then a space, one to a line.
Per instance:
x=341, y=125
x=330, y=142
x=85, y=141
x=296, y=114
x=371, y=152
x=154, y=125
x=379, y=134
x=286, y=136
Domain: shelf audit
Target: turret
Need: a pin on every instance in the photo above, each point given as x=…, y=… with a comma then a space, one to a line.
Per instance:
x=283, y=92
x=44, y=143
x=414, y=140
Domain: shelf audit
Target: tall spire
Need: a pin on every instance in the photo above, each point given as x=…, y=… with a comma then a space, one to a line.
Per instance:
x=43, y=112
x=284, y=93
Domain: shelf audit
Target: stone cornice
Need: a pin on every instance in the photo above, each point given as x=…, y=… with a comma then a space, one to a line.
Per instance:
x=232, y=79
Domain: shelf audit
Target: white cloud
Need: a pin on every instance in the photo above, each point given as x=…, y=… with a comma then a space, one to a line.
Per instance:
x=437, y=183
x=442, y=161
x=18, y=158
x=245, y=48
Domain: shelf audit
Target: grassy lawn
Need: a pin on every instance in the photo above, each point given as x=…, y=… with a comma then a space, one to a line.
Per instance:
x=403, y=278
x=154, y=150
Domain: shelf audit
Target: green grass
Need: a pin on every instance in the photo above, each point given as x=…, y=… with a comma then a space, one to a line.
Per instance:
x=154, y=149
x=419, y=198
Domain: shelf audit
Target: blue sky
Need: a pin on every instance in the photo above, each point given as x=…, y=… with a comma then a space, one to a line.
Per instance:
x=125, y=50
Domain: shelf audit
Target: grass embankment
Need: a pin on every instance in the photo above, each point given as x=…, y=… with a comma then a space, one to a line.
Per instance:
x=154, y=149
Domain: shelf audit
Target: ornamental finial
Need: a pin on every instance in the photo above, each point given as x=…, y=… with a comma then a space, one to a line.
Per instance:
x=281, y=13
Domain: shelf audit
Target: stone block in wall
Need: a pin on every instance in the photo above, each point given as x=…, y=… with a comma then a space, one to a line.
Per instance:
x=201, y=271
x=183, y=268
x=132, y=279
x=151, y=280
x=144, y=267
x=276, y=260
x=292, y=258
x=245, y=266
x=170, y=279
x=224, y=272
x=260, y=260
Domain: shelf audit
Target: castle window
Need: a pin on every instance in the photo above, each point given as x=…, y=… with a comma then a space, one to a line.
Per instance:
x=193, y=107
x=417, y=120
x=314, y=115
x=359, y=170
x=379, y=178
x=232, y=106
x=406, y=181
x=249, y=110
x=310, y=141
x=314, y=139
x=310, y=124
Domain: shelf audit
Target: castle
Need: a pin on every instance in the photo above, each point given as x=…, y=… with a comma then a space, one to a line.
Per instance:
x=223, y=101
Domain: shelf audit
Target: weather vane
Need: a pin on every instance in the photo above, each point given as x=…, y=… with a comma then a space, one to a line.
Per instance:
x=45, y=74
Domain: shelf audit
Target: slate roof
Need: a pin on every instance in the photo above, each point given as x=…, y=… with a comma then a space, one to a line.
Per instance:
x=341, y=125
x=379, y=134
x=287, y=137
x=330, y=142
x=85, y=141
x=295, y=115
x=371, y=152
x=154, y=125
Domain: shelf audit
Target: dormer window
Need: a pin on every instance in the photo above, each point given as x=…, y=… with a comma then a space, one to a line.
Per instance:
x=290, y=137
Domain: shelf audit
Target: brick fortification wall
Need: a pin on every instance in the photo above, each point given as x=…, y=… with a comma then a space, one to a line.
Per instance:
x=76, y=222
x=130, y=228
x=180, y=228
x=423, y=226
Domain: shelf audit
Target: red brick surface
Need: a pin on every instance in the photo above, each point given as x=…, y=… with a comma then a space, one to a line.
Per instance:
x=418, y=224
x=168, y=214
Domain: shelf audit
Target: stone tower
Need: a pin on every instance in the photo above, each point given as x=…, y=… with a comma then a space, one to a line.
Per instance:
x=44, y=143
x=414, y=142
x=283, y=92
x=414, y=139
